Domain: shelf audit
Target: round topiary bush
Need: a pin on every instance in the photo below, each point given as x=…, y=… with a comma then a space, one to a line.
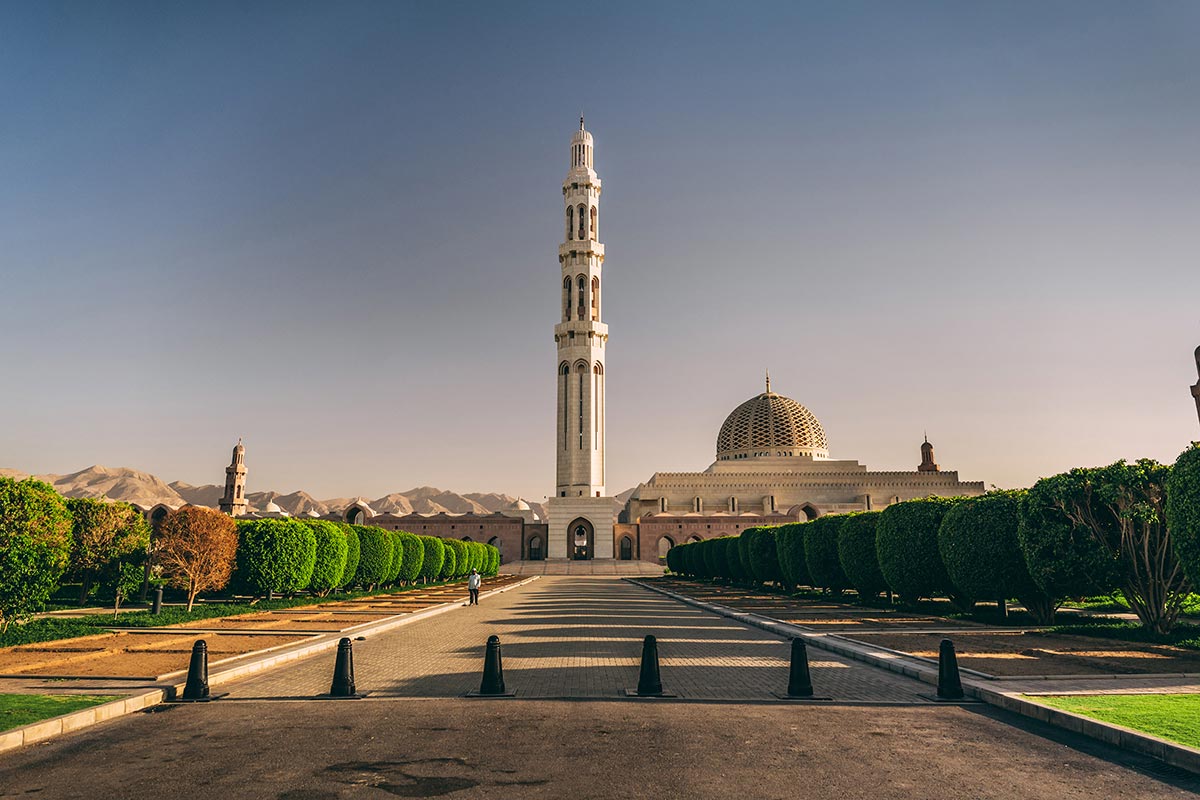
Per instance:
x=761, y=550
x=414, y=556
x=352, y=554
x=330, y=562
x=478, y=554
x=789, y=551
x=857, y=556
x=375, y=556
x=907, y=546
x=694, y=558
x=491, y=561
x=979, y=547
x=1062, y=559
x=397, y=557
x=35, y=545
x=675, y=561
x=821, y=553
x=1183, y=511
x=713, y=553
x=435, y=557
x=455, y=559
x=275, y=555
x=733, y=559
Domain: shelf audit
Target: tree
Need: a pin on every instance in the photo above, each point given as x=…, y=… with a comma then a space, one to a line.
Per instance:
x=450, y=564
x=123, y=577
x=414, y=556
x=375, y=559
x=435, y=555
x=857, y=556
x=397, y=557
x=907, y=546
x=332, y=551
x=353, y=553
x=275, y=555
x=101, y=533
x=821, y=553
x=35, y=545
x=1122, y=508
x=789, y=546
x=761, y=552
x=982, y=555
x=461, y=558
x=196, y=548
x=1183, y=510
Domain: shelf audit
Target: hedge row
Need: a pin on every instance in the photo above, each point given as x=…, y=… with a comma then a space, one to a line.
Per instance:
x=291, y=555
x=1132, y=527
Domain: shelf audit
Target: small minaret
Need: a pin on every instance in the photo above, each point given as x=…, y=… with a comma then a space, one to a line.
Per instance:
x=234, y=501
x=927, y=463
x=1196, y=388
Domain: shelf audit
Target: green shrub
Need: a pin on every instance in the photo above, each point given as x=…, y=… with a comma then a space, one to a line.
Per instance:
x=713, y=553
x=353, y=552
x=978, y=543
x=789, y=551
x=743, y=550
x=102, y=533
x=1063, y=559
x=1121, y=509
x=375, y=556
x=330, y=563
x=477, y=553
x=414, y=556
x=35, y=545
x=435, y=557
x=821, y=552
x=675, y=561
x=491, y=560
x=857, y=556
x=761, y=550
x=907, y=546
x=397, y=557
x=733, y=559
x=1183, y=510
x=275, y=555
x=450, y=565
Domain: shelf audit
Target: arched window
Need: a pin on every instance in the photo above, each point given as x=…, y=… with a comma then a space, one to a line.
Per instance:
x=597, y=407
x=564, y=370
x=535, y=549
x=570, y=222
x=593, y=220
x=582, y=223
x=567, y=295
x=581, y=370
x=582, y=281
x=595, y=299
x=626, y=548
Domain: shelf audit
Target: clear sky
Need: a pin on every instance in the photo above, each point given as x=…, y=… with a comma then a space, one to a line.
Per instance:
x=331, y=228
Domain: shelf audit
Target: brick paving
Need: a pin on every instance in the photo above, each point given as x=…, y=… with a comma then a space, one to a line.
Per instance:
x=580, y=637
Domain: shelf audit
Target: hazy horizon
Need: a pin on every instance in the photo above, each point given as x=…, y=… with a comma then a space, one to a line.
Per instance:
x=331, y=230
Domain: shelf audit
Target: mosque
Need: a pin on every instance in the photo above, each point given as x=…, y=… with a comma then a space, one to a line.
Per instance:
x=772, y=464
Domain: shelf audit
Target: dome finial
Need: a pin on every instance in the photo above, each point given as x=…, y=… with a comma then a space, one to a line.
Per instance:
x=768, y=381
x=580, y=120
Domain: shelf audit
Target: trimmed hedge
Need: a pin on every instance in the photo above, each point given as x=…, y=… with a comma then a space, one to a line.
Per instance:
x=456, y=555
x=353, y=553
x=414, y=556
x=435, y=557
x=713, y=553
x=1063, y=560
x=979, y=548
x=275, y=555
x=733, y=559
x=675, y=561
x=375, y=560
x=397, y=556
x=907, y=546
x=857, y=556
x=789, y=551
x=331, y=554
x=821, y=553
x=1183, y=510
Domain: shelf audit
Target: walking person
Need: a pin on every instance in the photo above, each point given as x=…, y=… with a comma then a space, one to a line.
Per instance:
x=473, y=584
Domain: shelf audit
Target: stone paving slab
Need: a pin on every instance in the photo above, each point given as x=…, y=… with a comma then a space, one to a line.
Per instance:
x=581, y=637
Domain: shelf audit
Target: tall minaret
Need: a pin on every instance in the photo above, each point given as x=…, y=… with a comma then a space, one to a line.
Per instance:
x=234, y=501
x=580, y=335
x=1196, y=388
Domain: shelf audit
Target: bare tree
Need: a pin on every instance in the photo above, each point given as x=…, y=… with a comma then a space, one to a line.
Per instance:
x=196, y=549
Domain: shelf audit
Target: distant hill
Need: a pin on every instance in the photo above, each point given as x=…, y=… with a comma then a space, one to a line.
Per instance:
x=132, y=486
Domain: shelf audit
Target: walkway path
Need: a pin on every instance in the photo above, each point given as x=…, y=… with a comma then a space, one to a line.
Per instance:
x=577, y=637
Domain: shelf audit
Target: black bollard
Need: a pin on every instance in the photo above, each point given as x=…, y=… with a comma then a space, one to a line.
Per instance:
x=949, y=684
x=799, y=679
x=343, y=671
x=197, y=678
x=493, y=672
x=156, y=607
x=650, y=681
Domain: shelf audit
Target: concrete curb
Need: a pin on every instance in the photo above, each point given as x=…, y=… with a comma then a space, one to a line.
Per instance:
x=76, y=720
x=1177, y=755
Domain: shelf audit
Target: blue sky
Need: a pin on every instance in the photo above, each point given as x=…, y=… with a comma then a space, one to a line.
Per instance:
x=330, y=228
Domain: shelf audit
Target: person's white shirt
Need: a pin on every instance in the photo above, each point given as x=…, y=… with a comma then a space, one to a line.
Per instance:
x=474, y=581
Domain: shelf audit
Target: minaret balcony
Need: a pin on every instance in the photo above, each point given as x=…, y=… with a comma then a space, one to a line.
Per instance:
x=582, y=246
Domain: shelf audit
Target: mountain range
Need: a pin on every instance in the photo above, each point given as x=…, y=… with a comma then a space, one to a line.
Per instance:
x=133, y=486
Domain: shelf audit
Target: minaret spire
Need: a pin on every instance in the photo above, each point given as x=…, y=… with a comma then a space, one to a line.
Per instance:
x=768, y=381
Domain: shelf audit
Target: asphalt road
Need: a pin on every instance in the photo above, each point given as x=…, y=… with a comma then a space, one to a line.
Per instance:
x=460, y=748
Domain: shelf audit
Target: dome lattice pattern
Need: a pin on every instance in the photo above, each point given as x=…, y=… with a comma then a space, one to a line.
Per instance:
x=771, y=424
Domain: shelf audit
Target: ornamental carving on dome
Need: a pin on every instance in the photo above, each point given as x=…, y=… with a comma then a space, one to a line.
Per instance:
x=771, y=425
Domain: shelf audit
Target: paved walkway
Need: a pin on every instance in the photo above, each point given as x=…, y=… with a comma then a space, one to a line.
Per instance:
x=580, y=637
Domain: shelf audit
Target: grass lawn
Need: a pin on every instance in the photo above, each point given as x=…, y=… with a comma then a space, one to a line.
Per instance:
x=22, y=709
x=1170, y=716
